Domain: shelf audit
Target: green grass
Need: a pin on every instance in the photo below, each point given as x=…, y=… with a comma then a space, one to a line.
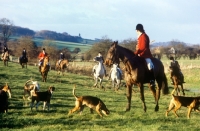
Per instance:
x=21, y=118
x=62, y=44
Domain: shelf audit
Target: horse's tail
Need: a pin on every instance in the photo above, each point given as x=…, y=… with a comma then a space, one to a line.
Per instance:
x=74, y=92
x=165, y=88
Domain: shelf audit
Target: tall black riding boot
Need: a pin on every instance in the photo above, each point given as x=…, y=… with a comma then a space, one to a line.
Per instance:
x=152, y=79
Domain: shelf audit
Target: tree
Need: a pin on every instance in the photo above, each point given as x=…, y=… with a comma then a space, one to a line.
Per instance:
x=27, y=43
x=6, y=29
x=129, y=44
x=76, y=50
x=50, y=48
x=101, y=46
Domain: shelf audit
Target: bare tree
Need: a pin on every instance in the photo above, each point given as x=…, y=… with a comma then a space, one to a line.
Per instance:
x=27, y=43
x=6, y=29
x=51, y=49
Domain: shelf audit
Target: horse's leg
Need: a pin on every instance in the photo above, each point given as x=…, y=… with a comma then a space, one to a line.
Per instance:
x=158, y=94
x=128, y=95
x=118, y=84
x=153, y=90
x=141, y=88
x=96, y=80
x=100, y=83
x=182, y=89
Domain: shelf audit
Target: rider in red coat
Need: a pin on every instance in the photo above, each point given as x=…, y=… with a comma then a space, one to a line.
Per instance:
x=143, y=50
x=41, y=57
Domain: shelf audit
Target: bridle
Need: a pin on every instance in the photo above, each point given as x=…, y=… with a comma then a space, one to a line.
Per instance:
x=114, y=57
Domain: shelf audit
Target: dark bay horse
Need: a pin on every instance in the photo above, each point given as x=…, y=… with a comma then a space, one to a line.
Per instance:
x=136, y=73
x=177, y=80
x=45, y=68
x=23, y=61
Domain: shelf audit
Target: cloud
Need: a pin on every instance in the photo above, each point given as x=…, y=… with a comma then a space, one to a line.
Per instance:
x=163, y=20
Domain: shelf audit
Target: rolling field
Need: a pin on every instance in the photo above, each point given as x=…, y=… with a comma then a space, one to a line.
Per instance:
x=21, y=118
x=62, y=44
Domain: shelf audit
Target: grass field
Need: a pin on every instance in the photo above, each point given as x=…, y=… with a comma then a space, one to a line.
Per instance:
x=62, y=44
x=21, y=118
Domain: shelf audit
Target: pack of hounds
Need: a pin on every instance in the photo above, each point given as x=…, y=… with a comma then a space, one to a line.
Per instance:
x=32, y=88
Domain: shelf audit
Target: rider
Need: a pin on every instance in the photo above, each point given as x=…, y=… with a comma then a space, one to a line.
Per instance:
x=175, y=63
x=5, y=49
x=143, y=50
x=24, y=54
x=41, y=58
x=62, y=57
x=100, y=55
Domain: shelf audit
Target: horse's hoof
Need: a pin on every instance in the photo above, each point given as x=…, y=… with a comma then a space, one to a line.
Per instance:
x=157, y=108
x=127, y=110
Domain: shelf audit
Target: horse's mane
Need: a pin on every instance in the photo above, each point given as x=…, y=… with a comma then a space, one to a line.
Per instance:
x=126, y=50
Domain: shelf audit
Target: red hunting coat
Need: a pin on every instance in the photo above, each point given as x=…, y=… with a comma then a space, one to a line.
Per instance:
x=142, y=47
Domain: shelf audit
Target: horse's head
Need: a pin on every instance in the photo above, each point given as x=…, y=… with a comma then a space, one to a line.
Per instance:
x=98, y=59
x=46, y=59
x=112, y=55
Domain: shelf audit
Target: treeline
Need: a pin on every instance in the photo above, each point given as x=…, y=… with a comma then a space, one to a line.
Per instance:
x=46, y=34
x=174, y=48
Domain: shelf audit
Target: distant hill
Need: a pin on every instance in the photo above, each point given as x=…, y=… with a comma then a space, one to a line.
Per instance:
x=47, y=34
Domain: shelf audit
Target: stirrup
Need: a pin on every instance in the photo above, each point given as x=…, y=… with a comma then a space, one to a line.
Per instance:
x=152, y=83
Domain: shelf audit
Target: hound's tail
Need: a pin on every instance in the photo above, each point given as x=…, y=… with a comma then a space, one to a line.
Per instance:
x=25, y=85
x=28, y=82
x=74, y=92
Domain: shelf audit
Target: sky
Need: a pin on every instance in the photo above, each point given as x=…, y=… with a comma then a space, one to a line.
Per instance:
x=163, y=20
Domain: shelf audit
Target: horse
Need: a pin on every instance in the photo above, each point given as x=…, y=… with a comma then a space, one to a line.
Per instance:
x=177, y=80
x=45, y=68
x=4, y=98
x=5, y=58
x=115, y=74
x=62, y=66
x=23, y=61
x=98, y=71
x=137, y=73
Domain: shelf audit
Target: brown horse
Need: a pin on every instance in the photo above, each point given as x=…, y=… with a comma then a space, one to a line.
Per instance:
x=62, y=66
x=177, y=80
x=5, y=58
x=136, y=73
x=45, y=68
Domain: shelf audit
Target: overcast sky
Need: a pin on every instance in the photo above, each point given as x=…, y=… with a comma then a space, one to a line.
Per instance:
x=163, y=20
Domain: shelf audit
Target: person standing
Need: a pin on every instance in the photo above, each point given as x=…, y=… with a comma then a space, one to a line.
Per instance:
x=143, y=50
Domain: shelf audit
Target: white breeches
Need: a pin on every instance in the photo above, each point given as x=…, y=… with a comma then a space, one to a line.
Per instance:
x=149, y=63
